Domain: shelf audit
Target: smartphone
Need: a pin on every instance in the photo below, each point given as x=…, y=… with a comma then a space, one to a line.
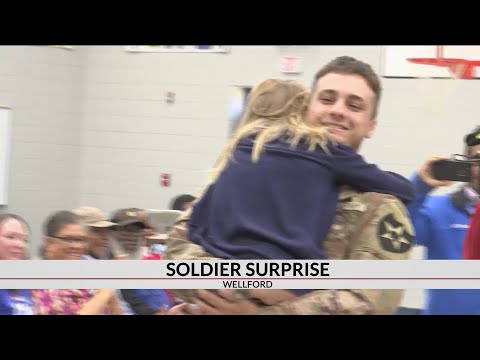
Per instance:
x=452, y=170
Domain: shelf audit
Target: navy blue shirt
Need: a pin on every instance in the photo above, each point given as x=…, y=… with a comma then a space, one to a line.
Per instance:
x=282, y=206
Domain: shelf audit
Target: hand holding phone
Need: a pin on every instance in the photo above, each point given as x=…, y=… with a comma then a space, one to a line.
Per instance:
x=451, y=170
x=424, y=172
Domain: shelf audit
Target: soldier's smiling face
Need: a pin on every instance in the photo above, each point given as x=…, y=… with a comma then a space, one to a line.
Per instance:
x=344, y=103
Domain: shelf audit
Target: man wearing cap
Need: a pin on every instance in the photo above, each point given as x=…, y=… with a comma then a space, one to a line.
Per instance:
x=131, y=232
x=98, y=232
x=440, y=222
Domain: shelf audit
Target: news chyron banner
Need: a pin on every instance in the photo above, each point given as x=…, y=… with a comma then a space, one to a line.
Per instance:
x=242, y=274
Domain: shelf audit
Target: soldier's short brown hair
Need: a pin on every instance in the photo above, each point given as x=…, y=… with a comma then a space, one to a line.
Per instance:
x=350, y=66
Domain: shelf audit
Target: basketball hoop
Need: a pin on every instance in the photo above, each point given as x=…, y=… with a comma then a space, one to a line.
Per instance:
x=435, y=93
x=458, y=68
x=458, y=71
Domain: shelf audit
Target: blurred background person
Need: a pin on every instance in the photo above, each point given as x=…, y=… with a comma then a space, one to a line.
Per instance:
x=128, y=236
x=13, y=244
x=66, y=239
x=182, y=202
x=131, y=232
x=98, y=232
x=471, y=243
x=440, y=222
x=150, y=236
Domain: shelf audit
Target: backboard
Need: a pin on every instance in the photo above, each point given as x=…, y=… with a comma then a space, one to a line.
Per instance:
x=431, y=61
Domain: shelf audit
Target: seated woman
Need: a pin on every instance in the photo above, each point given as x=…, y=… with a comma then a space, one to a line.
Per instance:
x=65, y=239
x=13, y=239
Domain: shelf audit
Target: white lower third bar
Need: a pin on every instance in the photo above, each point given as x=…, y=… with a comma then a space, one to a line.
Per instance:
x=260, y=283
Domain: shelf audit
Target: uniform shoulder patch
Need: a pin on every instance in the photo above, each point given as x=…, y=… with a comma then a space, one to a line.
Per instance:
x=393, y=235
x=353, y=206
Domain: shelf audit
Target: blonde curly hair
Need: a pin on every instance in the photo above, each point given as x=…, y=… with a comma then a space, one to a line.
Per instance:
x=274, y=108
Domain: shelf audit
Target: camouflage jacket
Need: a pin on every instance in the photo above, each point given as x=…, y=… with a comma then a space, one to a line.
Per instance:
x=366, y=226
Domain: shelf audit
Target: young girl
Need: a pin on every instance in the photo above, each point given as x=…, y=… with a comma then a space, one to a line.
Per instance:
x=273, y=193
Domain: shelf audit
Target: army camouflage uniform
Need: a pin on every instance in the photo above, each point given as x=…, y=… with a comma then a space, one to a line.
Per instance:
x=177, y=247
x=366, y=226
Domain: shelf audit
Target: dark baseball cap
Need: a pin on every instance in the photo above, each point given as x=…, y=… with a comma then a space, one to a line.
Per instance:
x=473, y=138
x=125, y=217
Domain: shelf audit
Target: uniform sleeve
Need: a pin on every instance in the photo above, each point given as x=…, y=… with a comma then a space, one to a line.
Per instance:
x=385, y=233
x=351, y=169
x=178, y=247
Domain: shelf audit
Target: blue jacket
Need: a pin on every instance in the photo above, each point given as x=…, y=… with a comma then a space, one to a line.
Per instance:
x=21, y=304
x=440, y=226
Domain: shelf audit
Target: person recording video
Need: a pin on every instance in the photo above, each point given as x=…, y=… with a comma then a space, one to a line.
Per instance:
x=440, y=222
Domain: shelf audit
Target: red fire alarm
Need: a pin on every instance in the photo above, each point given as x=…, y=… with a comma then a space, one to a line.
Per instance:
x=170, y=97
x=291, y=64
x=165, y=179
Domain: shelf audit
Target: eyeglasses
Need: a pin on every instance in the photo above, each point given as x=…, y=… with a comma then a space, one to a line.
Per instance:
x=71, y=239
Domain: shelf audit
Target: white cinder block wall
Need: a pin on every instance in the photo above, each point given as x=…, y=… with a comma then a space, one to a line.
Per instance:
x=105, y=107
x=131, y=135
x=44, y=87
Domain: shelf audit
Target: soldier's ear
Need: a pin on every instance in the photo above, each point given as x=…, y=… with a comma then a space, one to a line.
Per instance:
x=371, y=128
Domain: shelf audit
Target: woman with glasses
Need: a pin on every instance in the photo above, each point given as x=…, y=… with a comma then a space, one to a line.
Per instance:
x=65, y=238
x=13, y=240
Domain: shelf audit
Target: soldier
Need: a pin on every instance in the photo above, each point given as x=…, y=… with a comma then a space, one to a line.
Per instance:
x=367, y=226
x=345, y=97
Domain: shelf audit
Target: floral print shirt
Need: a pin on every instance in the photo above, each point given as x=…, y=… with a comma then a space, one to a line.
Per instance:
x=59, y=301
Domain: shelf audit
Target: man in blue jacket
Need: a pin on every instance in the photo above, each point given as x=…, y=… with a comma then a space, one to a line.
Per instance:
x=440, y=222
